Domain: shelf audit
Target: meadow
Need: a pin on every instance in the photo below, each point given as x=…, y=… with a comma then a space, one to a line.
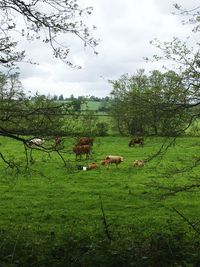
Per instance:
x=63, y=216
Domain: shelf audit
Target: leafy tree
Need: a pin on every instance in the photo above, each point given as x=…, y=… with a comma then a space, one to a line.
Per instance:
x=61, y=98
x=149, y=104
x=185, y=58
x=45, y=21
x=55, y=98
x=185, y=55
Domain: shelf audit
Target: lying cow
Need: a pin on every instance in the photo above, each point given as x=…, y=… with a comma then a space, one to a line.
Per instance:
x=36, y=142
x=82, y=150
x=138, y=163
x=85, y=141
x=92, y=166
x=112, y=159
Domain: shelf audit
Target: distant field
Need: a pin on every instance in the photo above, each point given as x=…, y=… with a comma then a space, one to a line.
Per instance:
x=53, y=199
x=92, y=105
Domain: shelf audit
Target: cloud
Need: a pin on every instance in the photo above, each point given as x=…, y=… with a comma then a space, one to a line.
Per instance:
x=125, y=29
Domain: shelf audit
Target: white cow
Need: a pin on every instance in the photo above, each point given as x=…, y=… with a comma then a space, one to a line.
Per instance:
x=36, y=141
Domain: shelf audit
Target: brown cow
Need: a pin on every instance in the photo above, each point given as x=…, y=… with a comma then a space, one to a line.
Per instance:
x=82, y=150
x=85, y=141
x=136, y=140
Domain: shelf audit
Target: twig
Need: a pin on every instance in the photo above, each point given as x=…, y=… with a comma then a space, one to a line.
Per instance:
x=188, y=222
x=105, y=224
x=14, y=249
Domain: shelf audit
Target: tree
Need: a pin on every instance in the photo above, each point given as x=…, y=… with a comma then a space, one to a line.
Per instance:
x=149, y=104
x=55, y=98
x=185, y=55
x=61, y=98
x=44, y=21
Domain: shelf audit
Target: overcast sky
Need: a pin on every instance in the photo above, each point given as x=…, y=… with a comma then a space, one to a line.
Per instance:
x=125, y=28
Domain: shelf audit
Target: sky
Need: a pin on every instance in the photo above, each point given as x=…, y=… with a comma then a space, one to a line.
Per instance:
x=125, y=29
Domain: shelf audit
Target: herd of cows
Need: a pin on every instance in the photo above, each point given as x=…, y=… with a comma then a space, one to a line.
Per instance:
x=84, y=145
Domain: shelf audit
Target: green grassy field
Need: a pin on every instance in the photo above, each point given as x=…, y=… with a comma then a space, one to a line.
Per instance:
x=51, y=203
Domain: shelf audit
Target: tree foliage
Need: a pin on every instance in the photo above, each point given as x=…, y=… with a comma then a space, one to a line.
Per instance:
x=45, y=21
x=185, y=55
x=149, y=104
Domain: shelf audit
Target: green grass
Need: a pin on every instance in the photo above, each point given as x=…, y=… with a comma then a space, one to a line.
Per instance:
x=53, y=199
x=91, y=105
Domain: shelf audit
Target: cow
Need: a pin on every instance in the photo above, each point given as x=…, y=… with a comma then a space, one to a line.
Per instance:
x=138, y=163
x=82, y=150
x=85, y=141
x=112, y=159
x=36, y=142
x=136, y=141
x=92, y=166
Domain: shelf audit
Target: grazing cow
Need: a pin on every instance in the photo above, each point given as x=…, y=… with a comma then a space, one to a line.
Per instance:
x=138, y=163
x=82, y=150
x=85, y=141
x=36, y=142
x=136, y=141
x=112, y=159
x=92, y=166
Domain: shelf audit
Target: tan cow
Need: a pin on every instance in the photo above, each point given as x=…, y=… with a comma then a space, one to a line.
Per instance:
x=112, y=159
x=92, y=166
x=138, y=163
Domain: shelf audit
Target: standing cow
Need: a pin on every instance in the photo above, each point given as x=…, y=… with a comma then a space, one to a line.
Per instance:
x=136, y=141
x=82, y=150
x=112, y=159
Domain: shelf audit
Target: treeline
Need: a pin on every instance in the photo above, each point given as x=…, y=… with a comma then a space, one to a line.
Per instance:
x=142, y=104
x=43, y=116
x=72, y=97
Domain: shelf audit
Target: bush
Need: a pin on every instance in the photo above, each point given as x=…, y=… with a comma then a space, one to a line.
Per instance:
x=102, y=129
